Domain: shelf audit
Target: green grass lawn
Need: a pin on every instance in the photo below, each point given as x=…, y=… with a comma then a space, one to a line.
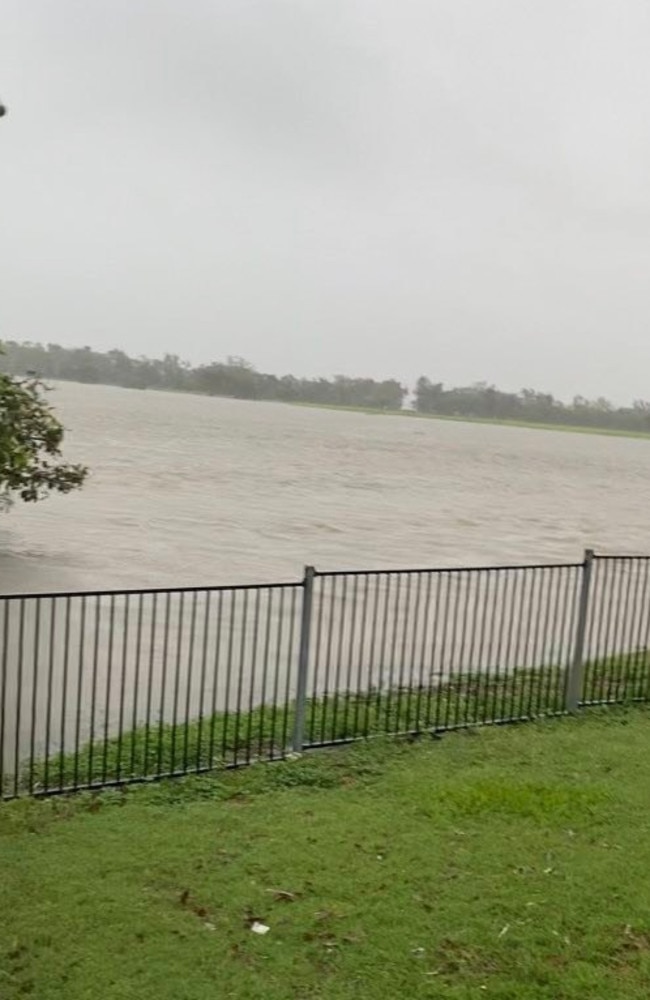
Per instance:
x=509, y=862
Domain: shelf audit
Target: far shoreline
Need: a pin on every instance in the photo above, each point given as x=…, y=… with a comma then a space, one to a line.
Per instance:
x=377, y=412
x=490, y=421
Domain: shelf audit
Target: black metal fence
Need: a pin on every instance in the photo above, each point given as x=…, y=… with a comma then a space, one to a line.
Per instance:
x=100, y=689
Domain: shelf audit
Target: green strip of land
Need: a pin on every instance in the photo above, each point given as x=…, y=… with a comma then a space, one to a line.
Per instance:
x=525, y=424
x=509, y=862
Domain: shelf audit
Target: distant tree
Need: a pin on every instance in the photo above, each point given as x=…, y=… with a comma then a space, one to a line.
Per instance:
x=428, y=396
x=30, y=444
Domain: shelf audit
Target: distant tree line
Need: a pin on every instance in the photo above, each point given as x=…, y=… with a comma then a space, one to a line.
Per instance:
x=235, y=377
x=238, y=379
x=483, y=401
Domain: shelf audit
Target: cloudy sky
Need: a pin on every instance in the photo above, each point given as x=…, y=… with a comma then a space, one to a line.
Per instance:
x=387, y=187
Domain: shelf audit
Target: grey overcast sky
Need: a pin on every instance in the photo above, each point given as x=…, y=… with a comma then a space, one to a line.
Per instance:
x=459, y=188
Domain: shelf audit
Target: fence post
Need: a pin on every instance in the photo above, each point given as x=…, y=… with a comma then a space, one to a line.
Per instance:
x=575, y=676
x=303, y=660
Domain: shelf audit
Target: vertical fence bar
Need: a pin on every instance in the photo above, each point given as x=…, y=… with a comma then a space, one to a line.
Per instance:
x=453, y=683
x=64, y=692
x=204, y=664
x=188, y=686
x=474, y=672
x=575, y=675
x=464, y=667
x=240, y=677
x=276, y=677
x=423, y=649
x=313, y=736
x=433, y=682
x=215, y=681
x=163, y=688
x=644, y=645
x=19, y=696
x=150, y=666
x=597, y=685
x=35, y=666
x=291, y=639
x=640, y=653
x=324, y=714
x=526, y=676
x=382, y=654
x=511, y=675
x=50, y=688
x=498, y=611
x=633, y=600
x=229, y=652
x=136, y=686
x=442, y=682
x=359, y=694
x=401, y=693
x=339, y=659
x=265, y=669
x=108, y=689
x=298, y=737
x=393, y=651
x=120, y=723
x=3, y=691
x=80, y=690
x=177, y=678
x=617, y=612
x=348, y=680
x=413, y=692
x=253, y=678
x=541, y=634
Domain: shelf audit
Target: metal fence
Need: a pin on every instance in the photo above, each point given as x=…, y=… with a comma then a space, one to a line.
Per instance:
x=101, y=689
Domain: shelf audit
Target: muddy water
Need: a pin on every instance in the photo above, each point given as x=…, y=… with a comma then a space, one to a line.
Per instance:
x=198, y=491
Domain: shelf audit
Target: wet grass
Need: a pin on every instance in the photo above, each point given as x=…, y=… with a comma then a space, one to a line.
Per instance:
x=230, y=739
x=507, y=862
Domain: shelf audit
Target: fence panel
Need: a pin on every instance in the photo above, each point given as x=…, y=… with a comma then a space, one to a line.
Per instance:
x=403, y=651
x=100, y=689
x=618, y=631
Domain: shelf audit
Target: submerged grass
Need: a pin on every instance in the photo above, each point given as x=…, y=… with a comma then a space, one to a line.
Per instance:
x=229, y=739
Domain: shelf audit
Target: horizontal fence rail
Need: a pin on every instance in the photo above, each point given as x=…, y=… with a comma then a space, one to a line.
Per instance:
x=110, y=688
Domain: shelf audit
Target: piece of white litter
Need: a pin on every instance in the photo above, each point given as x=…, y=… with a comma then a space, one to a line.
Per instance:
x=209, y=926
x=504, y=930
x=258, y=928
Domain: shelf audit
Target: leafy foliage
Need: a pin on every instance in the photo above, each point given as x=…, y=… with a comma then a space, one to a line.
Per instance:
x=30, y=444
